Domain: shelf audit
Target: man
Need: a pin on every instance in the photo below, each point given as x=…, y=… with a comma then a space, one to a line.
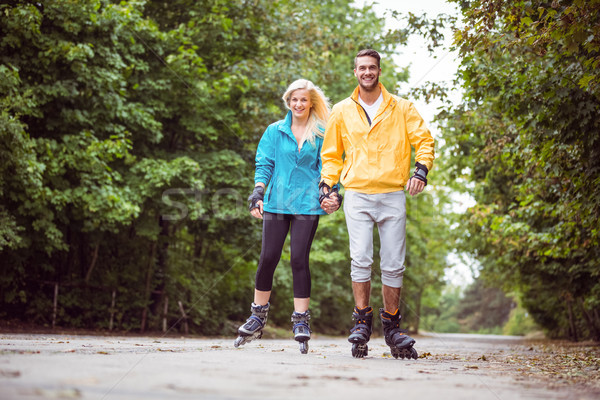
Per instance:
x=375, y=130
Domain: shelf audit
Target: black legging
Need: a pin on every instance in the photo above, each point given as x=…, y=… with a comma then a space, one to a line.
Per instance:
x=302, y=230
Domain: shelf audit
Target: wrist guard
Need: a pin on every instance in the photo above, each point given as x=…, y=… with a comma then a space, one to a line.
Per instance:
x=258, y=194
x=420, y=173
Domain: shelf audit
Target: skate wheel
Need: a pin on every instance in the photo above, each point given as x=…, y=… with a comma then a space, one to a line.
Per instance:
x=360, y=350
x=407, y=353
x=303, y=347
x=414, y=353
x=243, y=339
x=239, y=341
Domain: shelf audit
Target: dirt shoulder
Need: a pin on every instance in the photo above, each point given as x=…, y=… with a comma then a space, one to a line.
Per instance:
x=44, y=366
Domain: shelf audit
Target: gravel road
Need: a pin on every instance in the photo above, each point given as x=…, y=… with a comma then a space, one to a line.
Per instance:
x=107, y=367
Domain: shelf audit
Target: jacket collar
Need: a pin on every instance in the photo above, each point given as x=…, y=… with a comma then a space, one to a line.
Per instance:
x=386, y=95
x=285, y=125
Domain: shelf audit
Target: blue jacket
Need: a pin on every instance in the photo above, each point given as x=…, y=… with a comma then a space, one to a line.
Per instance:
x=291, y=176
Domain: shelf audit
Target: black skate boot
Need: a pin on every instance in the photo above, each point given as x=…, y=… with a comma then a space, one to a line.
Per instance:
x=361, y=333
x=301, y=329
x=254, y=325
x=401, y=345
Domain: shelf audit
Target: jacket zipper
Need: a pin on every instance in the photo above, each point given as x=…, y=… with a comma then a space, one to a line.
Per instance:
x=365, y=111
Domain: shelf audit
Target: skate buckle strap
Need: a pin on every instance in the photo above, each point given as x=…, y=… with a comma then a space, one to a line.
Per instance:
x=301, y=317
x=257, y=319
x=359, y=327
x=362, y=319
x=260, y=314
x=301, y=325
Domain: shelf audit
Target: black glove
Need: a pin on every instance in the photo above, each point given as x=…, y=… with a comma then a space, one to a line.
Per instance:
x=258, y=194
x=323, y=195
x=420, y=173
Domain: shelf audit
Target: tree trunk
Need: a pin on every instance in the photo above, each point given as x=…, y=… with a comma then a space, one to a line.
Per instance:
x=112, y=310
x=55, y=305
x=92, y=264
x=594, y=331
x=148, y=282
x=165, y=312
x=418, y=310
x=573, y=329
x=159, y=293
x=186, y=328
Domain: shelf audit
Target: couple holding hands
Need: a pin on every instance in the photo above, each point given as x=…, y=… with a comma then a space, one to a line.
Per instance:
x=364, y=142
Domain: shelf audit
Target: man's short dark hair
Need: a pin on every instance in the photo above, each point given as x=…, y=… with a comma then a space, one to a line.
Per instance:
x=368, y=53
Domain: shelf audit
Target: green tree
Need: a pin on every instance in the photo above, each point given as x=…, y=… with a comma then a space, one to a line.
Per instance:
x=483, y=308
x=525, y=135
x=127, y=137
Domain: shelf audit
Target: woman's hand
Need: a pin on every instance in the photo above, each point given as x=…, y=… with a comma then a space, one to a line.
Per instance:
x=258, y=211
x=255, y=201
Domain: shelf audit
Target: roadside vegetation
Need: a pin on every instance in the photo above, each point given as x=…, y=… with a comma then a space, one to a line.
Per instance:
x=128, y=131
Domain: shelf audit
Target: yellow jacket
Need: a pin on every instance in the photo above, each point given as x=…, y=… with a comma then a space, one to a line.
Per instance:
x=377, y=157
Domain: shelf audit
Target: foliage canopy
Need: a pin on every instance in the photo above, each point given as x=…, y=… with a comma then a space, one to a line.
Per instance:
x=526, y=135
x=127, y=138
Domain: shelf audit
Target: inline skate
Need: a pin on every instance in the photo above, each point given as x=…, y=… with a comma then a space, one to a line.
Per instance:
x=401, y=345
x=361, y=332
x=254, y=325
x=301, y=329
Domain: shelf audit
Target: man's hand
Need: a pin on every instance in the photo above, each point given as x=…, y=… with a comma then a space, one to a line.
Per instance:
x=330, y=200
x=330, y=205
x=418, y=181
x=415, y=186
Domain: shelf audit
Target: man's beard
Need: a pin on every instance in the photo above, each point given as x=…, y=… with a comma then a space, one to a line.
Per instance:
x=371, y=86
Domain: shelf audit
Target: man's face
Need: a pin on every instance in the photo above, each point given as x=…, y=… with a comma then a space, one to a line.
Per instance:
x=367, y=72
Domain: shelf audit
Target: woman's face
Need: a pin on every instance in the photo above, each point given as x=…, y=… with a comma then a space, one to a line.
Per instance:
x=300, y=103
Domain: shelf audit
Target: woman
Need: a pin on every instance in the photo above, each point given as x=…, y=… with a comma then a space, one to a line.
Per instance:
x=288, y=164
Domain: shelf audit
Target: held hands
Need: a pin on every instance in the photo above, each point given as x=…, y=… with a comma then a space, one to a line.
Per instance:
x=330, y=205
x=330, y=199
x=255, y=201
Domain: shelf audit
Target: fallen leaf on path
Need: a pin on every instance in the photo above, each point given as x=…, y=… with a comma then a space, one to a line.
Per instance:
x=59, y=394
x=10, y=374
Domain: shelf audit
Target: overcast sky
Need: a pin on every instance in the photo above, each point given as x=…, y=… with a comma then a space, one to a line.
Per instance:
x=438, y=67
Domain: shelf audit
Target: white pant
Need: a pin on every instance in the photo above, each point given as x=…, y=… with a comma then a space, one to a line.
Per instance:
x=388, y=211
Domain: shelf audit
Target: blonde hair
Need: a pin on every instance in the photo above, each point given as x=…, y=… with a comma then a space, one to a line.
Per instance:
x=319, y=111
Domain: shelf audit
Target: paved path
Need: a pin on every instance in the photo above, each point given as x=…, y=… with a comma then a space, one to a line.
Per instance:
x=101, y=367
